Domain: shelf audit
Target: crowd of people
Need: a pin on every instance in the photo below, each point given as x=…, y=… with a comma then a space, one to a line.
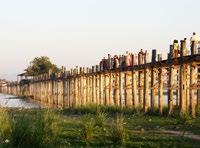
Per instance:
x=121, y=61
x=194, y=41
x=130, y=59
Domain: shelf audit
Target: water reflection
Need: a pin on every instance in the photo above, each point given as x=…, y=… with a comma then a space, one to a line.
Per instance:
x=16, y=102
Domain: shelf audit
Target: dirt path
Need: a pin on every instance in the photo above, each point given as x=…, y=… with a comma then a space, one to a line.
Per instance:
x=184, y=134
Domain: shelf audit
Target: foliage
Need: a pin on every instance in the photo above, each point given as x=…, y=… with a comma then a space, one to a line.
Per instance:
x=87, y=127
x=38, y=130
x=41, y=65
x=185, y=118
x=5, y=126
x=198, y=111
x=100, y=119
x=118, y=131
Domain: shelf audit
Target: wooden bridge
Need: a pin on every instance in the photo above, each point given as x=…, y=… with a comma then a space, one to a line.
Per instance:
x=145, y=85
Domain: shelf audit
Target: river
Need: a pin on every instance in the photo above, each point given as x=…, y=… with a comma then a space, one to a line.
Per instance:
x=11, y=101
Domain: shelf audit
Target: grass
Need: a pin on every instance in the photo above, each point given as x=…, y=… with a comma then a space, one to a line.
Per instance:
x=93, y=126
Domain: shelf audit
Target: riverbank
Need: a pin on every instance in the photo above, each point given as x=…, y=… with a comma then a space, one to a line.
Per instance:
x=94, y=127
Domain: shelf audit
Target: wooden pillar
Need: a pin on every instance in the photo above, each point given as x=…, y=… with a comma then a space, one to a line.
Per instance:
x=75, y=91
x=146, y=89
x=106, y=88
x=170, y=86
x=101, y=89
x=120, y=89
x=128, y=90
x=135, y=88
x=64, y=83
x=84, y=90
x=140, y=89
x=116, y=90
x=160, y=90
x=198, y=90
x=94, y=99
x=192, y=91
x=111, y=100
x=153, y=80
x=97, y=89
x=91, y=99
x=182, y=81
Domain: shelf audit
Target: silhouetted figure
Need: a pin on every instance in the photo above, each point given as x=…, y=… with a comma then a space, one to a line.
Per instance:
x=116, y=61
x=141, y=57
x=175, y=49
x=195, y=41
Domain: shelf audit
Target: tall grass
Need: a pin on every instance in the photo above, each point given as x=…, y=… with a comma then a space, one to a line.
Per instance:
x=87, y=127
x=100, y=119
x=118, y=132
x=5, y=126
x=40, y=129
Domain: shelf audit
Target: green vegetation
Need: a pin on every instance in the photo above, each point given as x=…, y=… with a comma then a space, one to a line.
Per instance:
x=41, y=65
x=93, y=126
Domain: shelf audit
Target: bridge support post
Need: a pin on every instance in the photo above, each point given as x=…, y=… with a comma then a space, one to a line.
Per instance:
x=153, y=79
x=182, y=83
x=128, y=90
x=116, y=90
x=170, y=86
x=160, y=90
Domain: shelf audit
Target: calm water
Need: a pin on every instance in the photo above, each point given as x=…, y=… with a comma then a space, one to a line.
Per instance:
x=15, y=102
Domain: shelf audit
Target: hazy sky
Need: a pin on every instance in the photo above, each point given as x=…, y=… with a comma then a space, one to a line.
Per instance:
x=81, y=32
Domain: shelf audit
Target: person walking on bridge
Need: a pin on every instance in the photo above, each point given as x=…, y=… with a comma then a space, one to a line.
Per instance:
x=195, y=40
x=175, y=49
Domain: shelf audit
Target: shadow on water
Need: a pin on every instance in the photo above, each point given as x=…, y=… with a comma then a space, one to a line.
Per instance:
x=11, y=101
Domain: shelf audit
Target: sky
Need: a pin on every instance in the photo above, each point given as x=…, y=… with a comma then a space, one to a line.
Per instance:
x=82, y=32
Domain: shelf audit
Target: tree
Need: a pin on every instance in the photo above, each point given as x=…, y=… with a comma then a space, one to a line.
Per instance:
x=41, y=65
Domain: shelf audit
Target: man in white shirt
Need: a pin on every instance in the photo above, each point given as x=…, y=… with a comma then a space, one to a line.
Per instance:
x=195, y=39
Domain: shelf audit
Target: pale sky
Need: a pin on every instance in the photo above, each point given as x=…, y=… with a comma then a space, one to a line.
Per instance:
x=81, y=32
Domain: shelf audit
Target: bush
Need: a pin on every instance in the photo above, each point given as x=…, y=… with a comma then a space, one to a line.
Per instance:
x=185, y=118
x=87, y=127
x=5, y=126
x=198, y=111
x=118, y=132
x=100, y=119
x=36, y=130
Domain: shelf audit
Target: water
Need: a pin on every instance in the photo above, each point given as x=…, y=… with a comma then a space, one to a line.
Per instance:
x=11, y=101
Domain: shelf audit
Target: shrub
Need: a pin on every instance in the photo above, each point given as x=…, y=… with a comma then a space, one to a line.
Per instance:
x=185, y=118
x=100, y=119
x=118, y=132
x=198, y=111
x=36, y=130
x=5, y=125
x=87, y=127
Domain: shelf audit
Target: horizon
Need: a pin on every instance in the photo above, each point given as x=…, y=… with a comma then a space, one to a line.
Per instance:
x=81, y=33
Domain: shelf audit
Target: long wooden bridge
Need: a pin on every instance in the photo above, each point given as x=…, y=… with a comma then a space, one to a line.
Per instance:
x=144, y=85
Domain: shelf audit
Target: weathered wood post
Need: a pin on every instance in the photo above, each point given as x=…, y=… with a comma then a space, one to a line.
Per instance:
x=76, y=87
x=128, y=90
x=91, y=99
x=160, y=86
x=182, y=83
x=106, y=88
x=111, y=100
x=84, y=87
x=64, y=83
x=134, y=82
x=192, y=84
x=140, y=88
x=94, y=100
x=170, y=85
x=153, y=80
x=146, y=86
x=97, y=76
x=116, y=90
